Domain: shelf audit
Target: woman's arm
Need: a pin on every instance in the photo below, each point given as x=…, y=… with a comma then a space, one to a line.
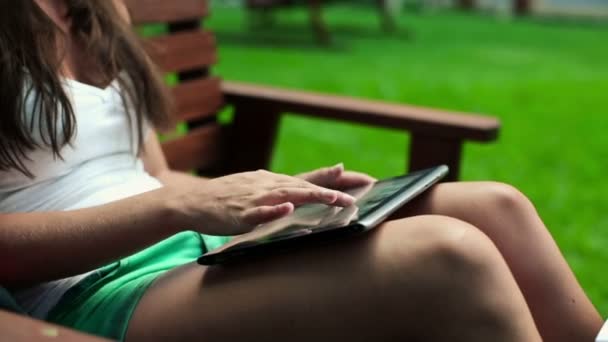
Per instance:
x=42, y=246
x=156, y=165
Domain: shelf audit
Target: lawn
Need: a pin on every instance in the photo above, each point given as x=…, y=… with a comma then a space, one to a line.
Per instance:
x=546, y=80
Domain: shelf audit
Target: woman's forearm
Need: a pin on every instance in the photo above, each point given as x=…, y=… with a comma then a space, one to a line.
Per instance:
x=179, y=179
x=43, y=246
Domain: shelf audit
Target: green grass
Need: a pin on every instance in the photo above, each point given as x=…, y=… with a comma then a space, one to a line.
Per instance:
x=546, y=81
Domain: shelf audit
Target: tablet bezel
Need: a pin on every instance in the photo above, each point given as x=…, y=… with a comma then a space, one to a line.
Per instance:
x=424, y=179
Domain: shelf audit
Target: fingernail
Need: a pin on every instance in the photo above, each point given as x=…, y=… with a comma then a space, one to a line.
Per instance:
x=329, y=194
x=336, y=169
x=350, y=199
x=284, y=206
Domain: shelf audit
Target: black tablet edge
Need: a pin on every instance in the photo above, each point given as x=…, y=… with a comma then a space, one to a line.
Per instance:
x=428, y=177
x=271, y=247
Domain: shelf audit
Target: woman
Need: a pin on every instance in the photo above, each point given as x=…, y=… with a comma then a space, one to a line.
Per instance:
x=86, y=197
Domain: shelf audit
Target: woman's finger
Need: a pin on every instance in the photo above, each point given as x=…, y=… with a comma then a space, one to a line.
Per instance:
x=351, y=179
x=263, y=214
x=336, y=177
x=325, y=176
x=298, y=196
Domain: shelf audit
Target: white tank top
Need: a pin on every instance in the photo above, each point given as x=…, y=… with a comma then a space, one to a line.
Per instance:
x=100, y=166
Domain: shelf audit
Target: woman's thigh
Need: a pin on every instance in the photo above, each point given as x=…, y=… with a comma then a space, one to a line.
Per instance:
x=399, y=281
x=499, y=210
x=562, y=310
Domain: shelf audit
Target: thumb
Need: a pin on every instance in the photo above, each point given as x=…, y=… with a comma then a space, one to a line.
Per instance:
x=326, y=176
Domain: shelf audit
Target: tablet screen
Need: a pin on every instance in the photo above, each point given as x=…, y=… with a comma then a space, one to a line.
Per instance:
x=311, y=218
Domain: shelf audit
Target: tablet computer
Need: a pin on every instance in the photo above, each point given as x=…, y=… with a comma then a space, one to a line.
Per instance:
x=319, y=222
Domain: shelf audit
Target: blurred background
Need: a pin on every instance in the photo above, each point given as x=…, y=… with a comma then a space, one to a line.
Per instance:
x=541, y=66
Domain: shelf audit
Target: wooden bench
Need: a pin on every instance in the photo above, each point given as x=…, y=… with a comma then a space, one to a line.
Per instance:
x=211, y=148
x=247, y=143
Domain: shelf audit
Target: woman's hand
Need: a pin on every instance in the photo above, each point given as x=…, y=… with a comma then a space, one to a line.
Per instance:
x=335, y=177
x=237, y=203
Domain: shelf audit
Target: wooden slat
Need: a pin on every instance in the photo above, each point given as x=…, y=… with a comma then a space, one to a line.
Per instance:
x=427, y=152
x=197, y=99
x=200, y=149
x=183, y=51
x=252, y=138
x=425, y=121
x=150, y=11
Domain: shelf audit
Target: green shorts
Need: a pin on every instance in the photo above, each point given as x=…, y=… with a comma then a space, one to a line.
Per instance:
x=103, y=302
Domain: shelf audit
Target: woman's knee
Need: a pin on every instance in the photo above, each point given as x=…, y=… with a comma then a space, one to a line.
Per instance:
x=492, y=206
x=502, y=198
x=457, y=276
x=440, y=247
x=441, y=238
x=474, y=201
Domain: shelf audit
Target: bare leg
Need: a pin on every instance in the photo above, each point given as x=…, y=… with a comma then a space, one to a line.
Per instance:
x=560, y=307
x=427, y=278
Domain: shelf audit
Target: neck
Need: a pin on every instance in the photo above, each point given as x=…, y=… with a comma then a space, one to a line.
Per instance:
x=57, y=11
x=75, y=62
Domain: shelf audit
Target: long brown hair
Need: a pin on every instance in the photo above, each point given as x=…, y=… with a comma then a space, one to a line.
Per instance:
x=30, y=64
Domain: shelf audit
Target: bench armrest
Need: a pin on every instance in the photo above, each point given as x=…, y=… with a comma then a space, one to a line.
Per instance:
x=418, y=120
x=436, y=135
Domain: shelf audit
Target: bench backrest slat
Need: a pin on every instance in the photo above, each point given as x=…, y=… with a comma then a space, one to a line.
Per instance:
x=164, y=11
x=188, y=51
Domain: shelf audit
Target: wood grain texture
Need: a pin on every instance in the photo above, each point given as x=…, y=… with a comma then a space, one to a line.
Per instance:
x=252, y=137
x=199, y=150
x=183, y=51
x=17, y=328
x=437, y=135
x=197, y=99
x=425, y=121
x=427, y=152
x=154, y=11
